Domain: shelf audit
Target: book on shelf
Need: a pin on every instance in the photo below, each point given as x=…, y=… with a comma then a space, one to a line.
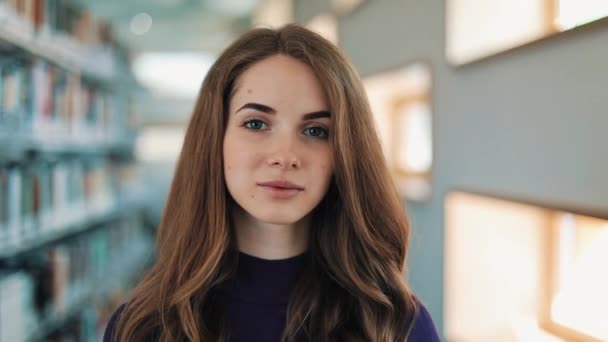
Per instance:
x=40, y=197
x=56, y=95
x=45, y=102
x=59, y=18
x=3, y=204
x=68, y=283
x=16, y=305
x=48, y=102
x=54, y=79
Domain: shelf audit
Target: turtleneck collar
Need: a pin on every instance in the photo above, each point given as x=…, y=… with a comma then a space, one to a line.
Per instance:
x=265, y=281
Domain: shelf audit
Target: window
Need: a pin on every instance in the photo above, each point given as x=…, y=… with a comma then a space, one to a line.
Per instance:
x=479, y=28
x=573, y=13
x=516, y=271
x=577, y=284
x=400, y=101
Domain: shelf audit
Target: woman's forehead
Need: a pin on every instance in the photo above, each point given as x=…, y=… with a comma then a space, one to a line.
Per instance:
x=279, y=81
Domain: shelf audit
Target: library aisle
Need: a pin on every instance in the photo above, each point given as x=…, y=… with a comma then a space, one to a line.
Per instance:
x=74, y=230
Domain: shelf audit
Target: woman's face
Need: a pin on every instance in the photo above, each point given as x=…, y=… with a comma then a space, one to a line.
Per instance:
x=277, y=152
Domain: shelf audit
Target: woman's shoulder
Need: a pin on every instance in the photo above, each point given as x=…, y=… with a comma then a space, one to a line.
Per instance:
x=423, y=329
x=109, y=332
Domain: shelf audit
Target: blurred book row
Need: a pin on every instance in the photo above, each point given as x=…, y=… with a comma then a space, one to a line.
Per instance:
x=74, y=230
x=61, y=31
x=41, y=100
x=40, y=198
x=73, y=279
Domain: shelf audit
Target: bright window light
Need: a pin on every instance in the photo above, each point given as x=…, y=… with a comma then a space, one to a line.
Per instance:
x=574, y=13
x=172, y=74
x=416, y=154
x=581, y=301
x=160, y=144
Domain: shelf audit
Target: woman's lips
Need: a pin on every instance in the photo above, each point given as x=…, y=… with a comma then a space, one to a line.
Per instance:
x=282, y=193
x=284, y=184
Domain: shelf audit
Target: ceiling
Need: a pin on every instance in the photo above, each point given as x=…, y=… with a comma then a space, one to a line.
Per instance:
x=177, y=25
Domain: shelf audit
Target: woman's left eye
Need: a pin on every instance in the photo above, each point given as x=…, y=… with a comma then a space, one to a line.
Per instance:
x=316, y=132
x=255, y=124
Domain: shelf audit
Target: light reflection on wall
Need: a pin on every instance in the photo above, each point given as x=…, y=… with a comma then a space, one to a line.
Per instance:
x=510, y=23
x=415, y=150
x=520, y=272
x=574, y=13
x=172, y=74
x=400, y=101
x=491, y=273
x=581, y=302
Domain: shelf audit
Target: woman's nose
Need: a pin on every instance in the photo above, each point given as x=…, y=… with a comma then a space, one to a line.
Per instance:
x=284, y=160
x=285, y=155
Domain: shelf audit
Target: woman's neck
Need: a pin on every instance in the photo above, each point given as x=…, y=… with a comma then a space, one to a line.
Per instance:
x=267, y=240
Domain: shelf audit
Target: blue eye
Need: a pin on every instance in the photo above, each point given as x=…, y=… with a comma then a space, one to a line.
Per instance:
x=254, y=124
x=316, y=132
x=257, y=125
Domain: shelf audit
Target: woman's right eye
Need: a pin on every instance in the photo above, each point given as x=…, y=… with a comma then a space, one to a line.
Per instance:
x=255, y=124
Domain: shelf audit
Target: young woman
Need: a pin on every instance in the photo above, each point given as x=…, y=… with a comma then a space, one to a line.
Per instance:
x=282, y=222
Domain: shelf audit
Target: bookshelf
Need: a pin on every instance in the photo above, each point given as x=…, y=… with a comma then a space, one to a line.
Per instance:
x=79, y=226
x=73, y=232
x=99, y=287
x=74, y=276
x=20, y=147
x=45, y=36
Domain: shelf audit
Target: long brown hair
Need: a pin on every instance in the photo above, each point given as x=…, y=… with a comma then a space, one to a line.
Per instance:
x=352, y=287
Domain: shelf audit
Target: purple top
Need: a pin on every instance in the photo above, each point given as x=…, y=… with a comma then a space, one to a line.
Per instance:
x=257, y=301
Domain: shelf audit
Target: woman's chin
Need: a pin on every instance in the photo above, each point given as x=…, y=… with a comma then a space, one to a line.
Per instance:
x=273, y=216
x=281, y=220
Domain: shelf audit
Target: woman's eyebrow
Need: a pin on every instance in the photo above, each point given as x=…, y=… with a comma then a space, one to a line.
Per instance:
x=270, y=110
x=258, y=107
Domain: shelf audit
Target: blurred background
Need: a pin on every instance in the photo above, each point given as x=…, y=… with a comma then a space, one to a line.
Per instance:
x=492, y=116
